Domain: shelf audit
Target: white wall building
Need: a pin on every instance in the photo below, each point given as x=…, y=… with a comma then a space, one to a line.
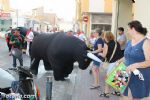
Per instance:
x=96, y=6
x=65, y=25
x=125, y=11
x=98, y=17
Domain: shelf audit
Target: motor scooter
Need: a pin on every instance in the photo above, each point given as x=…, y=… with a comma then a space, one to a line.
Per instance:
x=22, y=87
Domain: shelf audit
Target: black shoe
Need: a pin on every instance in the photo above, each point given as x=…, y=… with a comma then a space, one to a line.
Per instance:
x=90, y=71
x=94, y=87
x=104, y=95
x=59, y=79
x=116, y=93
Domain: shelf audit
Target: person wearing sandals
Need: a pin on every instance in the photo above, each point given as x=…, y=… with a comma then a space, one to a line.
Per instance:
x=98, y=47
x=137, y=57
x=111, y=52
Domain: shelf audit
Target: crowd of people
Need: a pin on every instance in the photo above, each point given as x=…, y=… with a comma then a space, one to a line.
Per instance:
x=133, y=53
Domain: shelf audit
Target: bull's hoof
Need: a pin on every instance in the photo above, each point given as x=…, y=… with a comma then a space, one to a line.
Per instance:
x=48, y=68
x=66, y=75
x=34, y=72
x=60, y=79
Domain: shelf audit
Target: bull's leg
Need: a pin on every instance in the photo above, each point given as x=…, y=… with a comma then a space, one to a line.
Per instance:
x=67, y=70
x=58, y=74
x=34, y=65
x=47, y=65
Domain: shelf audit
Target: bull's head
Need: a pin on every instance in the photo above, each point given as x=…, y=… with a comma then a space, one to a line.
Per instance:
x=84, y=58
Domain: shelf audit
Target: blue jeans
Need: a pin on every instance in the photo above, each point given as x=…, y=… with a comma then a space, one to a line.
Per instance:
x=15, y=61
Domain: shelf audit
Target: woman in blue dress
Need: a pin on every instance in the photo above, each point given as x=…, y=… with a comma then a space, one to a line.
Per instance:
x=137, y=56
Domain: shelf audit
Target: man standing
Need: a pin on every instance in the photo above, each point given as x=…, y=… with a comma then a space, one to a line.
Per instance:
x=16, y=41
x=121, y=39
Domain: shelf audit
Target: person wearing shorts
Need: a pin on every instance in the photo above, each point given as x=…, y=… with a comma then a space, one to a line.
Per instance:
x=98, y=47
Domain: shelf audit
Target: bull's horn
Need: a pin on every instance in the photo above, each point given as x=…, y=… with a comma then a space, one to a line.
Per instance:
x=93, y=57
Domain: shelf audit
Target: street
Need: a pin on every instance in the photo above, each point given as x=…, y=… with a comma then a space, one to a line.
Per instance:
x=76, y=87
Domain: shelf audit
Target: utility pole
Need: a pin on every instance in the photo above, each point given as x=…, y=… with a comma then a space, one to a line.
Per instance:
x=17, y=16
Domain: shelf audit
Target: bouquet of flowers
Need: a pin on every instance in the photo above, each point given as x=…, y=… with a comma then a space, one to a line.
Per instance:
x=118, y=78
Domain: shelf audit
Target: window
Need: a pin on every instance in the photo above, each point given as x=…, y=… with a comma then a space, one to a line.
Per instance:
x=104, y=27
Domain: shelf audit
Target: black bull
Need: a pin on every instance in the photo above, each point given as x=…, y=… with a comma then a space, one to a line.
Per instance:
x=58, y=52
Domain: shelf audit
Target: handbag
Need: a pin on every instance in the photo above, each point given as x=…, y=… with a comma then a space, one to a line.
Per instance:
x=106, y=63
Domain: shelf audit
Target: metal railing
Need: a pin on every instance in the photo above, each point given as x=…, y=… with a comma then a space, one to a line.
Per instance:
x=49, y=85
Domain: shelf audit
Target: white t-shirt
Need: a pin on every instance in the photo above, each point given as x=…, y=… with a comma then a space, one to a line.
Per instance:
x=75, y=35
x=92, y=40
x=122, y=38
x=82, y=37
x=30, y=36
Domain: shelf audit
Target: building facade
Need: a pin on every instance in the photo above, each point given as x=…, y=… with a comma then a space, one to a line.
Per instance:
x=125, y=11
x=5, y=16
x=46, y=20
x=91, y=14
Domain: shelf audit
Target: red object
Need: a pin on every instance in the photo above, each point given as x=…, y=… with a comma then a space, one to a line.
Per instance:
x=78, y=33
x=85, y=18
x=4, y=14
x=69, y=33
x=38, y=91
x=92, y=36
x=28, y=32
x=7, y=39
